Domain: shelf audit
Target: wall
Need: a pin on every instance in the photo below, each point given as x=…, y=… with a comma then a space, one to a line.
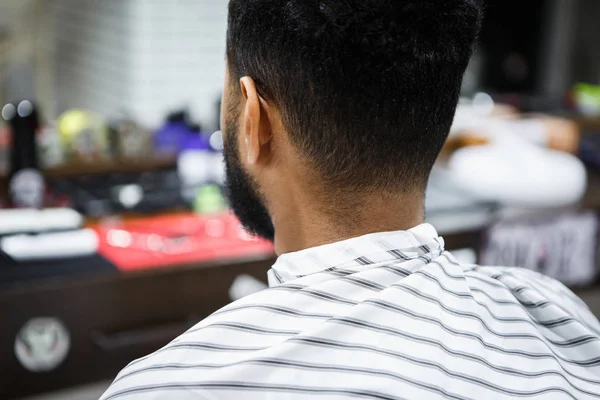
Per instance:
x=586, y=57
x=92, y=54
x=179, y=53
x=26, y=51
x=145, y=57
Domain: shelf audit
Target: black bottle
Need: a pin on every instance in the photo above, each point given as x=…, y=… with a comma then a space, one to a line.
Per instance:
x=26, y=183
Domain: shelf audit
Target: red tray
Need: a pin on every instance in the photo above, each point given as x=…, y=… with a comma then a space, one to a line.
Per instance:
x=171, y=240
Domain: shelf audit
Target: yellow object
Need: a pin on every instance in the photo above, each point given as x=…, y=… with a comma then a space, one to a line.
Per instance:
x=83, y=134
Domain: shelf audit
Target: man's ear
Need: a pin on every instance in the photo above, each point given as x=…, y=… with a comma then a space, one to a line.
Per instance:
x=256, y=125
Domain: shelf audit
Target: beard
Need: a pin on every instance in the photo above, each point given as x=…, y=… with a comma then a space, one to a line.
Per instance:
x=244, y=197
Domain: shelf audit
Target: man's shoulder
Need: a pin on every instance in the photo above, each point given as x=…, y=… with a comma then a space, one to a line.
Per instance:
x=209, y=350
x=531, y=288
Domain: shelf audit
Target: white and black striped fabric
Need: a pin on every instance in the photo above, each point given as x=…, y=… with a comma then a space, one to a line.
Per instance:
x=384, y=316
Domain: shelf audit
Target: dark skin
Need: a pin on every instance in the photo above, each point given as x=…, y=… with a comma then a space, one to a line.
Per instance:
x=304, y=213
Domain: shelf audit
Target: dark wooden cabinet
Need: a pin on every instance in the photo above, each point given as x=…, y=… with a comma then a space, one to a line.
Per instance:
x=112, y=319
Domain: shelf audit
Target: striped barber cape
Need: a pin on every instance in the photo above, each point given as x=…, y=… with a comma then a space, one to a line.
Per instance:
x=383, y=316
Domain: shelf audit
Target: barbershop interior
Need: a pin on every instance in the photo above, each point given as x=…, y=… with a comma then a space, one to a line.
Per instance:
x=115, y=230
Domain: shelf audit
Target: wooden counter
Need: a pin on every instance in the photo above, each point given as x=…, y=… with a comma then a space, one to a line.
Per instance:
x=112, y=319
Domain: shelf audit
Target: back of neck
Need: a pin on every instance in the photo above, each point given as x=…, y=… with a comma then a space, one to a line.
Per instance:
x=305, y=224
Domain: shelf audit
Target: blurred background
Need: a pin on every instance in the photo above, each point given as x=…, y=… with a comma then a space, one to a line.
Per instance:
x=115, y=235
